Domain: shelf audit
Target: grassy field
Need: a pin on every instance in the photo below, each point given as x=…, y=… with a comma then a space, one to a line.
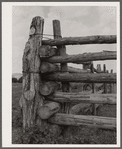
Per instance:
x=75, y=135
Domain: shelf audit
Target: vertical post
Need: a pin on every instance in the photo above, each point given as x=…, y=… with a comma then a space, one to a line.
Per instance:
x=111, y=85
x=85, y=67
x=98, y=68
x=31, y=97
x=92, y=71
x=93, y=105
x=62, y=52
x=105, y=85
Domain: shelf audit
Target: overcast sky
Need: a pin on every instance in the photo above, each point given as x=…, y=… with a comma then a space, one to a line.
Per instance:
x=75, y=21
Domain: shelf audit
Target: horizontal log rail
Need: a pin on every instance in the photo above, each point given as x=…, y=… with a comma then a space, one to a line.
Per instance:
x=49, y=67
x=81, y=58
x=85, y=98
x=81, y=77
x=98, y=39
x=78, y=120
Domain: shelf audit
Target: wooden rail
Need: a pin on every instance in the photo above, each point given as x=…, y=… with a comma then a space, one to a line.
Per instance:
x=79, y=120
x=80, y=58
x=49, y=67
x=98, y=39
x=81, y=77
x=85, y=98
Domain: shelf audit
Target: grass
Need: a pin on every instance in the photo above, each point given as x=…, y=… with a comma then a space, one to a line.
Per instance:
x=70, y=135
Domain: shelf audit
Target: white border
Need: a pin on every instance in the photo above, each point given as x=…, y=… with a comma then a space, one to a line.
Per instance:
x=7, y=69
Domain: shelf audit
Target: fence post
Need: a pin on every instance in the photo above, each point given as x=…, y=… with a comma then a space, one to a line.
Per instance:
x=93, y=105
x=111, y=84
x=31, y=98
x=62, y=52
x=105, y=85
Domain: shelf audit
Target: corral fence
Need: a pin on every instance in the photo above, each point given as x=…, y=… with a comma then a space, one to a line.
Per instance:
x=45, y=65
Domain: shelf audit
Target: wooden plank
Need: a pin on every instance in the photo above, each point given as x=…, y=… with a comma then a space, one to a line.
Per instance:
x=81, y=58
x=98, y=39
x=79, y=120
x=81, y=77
x=84, y=98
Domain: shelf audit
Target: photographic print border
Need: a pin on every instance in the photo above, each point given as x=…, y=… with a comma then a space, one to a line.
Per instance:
x=2, y=62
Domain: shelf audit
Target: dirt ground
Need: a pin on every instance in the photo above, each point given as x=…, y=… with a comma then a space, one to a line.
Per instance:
x=75, y=135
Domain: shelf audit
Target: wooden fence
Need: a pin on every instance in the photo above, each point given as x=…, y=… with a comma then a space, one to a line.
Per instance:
x=41, y=75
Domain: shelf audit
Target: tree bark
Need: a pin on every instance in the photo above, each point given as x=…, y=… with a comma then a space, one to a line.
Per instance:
x=100, y=39
x=81, y=58
x=81, y=77
x=79, y=120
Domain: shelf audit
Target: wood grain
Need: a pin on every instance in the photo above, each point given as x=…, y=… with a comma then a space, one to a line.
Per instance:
x=79, y=120
x=98, y=39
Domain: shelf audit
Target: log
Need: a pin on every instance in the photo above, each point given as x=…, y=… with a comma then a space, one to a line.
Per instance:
x=62, y=52
x=81, y=77
x=84, y=98
x=48, y=67
x=47, y=51
x=81, y=107
x=80, y=58
x=46, y=88
x=77, y=70
x=98, y=39
x=31, y=98
x=79, y=120
x=48, y=110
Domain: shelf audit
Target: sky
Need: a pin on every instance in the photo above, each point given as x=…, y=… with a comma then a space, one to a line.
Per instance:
x=75, y=21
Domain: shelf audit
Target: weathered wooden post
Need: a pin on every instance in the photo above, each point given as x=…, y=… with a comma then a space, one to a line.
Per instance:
x=111, y=84
x=105, y=85
x=92, y=71
x=88, y=66
x=93, y=105
x=31, y=98
x=62, y=52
